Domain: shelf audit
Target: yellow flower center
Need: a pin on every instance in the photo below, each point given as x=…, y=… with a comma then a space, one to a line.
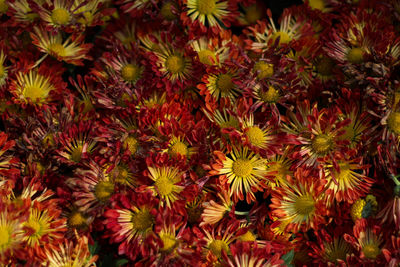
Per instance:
x=317, y=4
x=103, y=190
x=76, y=220
x=371, y=250
x=178, y=148
x=3, y=7
x=57, y=50
x=324, y=66
x=34, y=225
x=344, y=173
x=35, y=93
x=60, y=16
x=242, y=167
x=255, y=136
x=5, y=237
x=164, y=186
x=232, y=122
x=206, y=7
x=142, y=220
x=175, y=64
x=224, y=83
x=393, y=122
x=166, y=11
x=357, y=208
x=270, y=96
x=169, y=242
x=121, y=174
x=304, y=205
x=252, y=14
x=76, y=153
x=247, y=237
x=130, y=72
x=264, y=69
x=322, y=144
x=207, y=57
x=355, y=55
x=284, y=38
x=132, y=144
x=216, y=246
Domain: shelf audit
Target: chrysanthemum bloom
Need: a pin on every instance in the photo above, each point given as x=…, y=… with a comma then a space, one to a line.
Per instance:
x=319, y=132
x=36, y=87
x=179, y=146
x=208, y=13
x=252, y=13
x=71, y=254
x=92, y=189
x=367, y=241
x=261, y=36
x=43, y=229
x=58, y=14
x=131, y=224
x=218, y=241
x=348, y=183
x=72, y=50
x=243, y=170
x=76, y=143
x=166, y=183
x=209, y=51
x=261, y=137
x=221, y=84
x=299, y=202
x=330, y=248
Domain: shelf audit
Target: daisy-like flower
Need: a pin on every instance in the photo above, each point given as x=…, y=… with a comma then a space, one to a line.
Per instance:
x=263, y=36
x=33, y=87
x=44, y=228
x=173, y=64
x=214, y=212
x=92, y=189
x=368, y=241
x=318, y=132
x=299, y=203
x=127, y=70
x=72, y=50
x=178, y=146
x=261, y=138
x=121, y=174
x=355, y=129
x=77, y=143
x=71, y=254
x=60, y=13
x=166, y=180
x=252, y=13
x=218, y=241
x=3, y=68
x=208, y=52
x=347, y=183
x=220, y=85
x=209, y=12
x=132, y=224
x=243, y=170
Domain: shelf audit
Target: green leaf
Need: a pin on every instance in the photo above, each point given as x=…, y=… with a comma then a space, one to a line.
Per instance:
x=121, y=262
x=288, y=258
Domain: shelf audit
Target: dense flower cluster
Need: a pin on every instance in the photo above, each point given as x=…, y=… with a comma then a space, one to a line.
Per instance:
x=199, y=133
